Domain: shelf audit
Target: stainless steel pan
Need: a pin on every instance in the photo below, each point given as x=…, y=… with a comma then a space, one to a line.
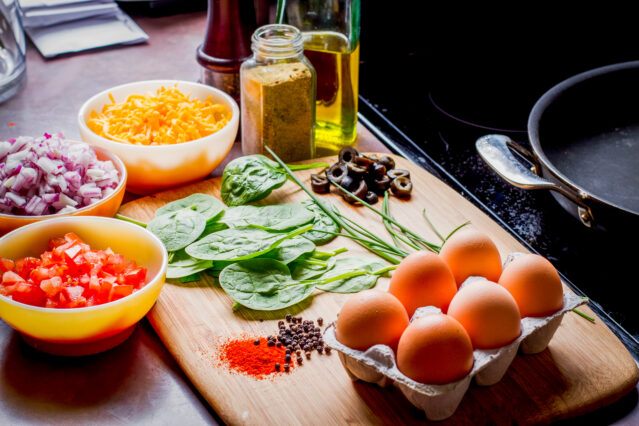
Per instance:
x=584, y=134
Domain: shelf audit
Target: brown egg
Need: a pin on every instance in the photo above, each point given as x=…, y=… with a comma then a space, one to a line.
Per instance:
x=435, y=349
x=488, y=313
x=422, y=279
x=535, y=284
x=371, y=317
x=469, y=252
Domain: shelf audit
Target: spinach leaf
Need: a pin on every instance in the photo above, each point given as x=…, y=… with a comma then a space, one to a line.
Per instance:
x=178, y=229
x=263, y=284
x=239, y=243
x=291, y=249
x=321, y=222
x=303, y=269
x=182, y=259
x=206, y=205
x=250, y=178
x=356, y=283
x=276, y=216
x=174, y=271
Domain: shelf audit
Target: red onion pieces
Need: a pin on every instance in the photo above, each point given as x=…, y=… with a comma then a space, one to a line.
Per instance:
x=47, y=175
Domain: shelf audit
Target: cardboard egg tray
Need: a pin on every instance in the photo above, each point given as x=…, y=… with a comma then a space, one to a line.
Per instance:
x=378, y=364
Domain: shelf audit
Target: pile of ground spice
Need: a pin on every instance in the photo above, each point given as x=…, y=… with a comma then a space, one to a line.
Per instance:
x=260, y=357
x=253, y=357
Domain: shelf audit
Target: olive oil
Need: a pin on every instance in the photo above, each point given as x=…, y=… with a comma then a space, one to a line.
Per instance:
x=337, y=67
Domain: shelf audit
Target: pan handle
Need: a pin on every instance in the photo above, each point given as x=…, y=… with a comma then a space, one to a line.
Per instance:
x=496, y=152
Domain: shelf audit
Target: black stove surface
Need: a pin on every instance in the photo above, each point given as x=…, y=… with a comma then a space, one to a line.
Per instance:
x=444, y=81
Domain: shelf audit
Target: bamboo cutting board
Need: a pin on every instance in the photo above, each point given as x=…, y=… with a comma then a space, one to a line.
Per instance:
x=585, y=366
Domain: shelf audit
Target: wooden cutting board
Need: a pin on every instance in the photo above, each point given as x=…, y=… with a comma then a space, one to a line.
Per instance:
x=584, y=367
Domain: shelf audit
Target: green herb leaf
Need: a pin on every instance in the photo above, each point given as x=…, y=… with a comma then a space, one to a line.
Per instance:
x=178, y=229
x=289, y=250
x=321, y=222
x=250, y=178
x=302, y=270
x=239, y=243
x=206, y=205
x=276, y=216
x=173, y=271
x=353, y=284
x=263, y=284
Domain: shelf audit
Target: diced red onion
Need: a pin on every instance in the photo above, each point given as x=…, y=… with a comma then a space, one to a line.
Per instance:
x=47, y=175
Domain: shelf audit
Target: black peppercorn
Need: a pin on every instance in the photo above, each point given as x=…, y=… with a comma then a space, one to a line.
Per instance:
x=277, y=366
x=287, y=357
x=299, y=359
x=320, y=320
x=256, y=342
x=286, y=367
x=288, y=317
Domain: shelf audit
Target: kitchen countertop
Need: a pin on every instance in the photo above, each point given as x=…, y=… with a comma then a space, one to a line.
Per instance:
x=137, y=382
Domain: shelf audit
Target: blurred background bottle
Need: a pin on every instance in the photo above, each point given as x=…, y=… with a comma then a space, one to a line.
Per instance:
x=227, y=42
x=331, y=42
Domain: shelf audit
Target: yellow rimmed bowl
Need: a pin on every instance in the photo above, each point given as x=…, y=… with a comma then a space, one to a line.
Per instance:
x=88, y=330
x=155, y=167
x=108, y=206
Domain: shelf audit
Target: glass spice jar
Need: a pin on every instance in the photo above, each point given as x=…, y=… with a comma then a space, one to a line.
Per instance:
x=278, y=95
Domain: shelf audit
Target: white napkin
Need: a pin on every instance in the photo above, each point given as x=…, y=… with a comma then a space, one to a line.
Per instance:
x=63, y=26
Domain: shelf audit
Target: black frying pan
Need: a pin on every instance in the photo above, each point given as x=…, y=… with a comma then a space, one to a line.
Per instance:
x=584, y=134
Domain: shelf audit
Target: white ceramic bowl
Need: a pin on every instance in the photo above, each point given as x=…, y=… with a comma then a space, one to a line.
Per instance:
x=154, y=167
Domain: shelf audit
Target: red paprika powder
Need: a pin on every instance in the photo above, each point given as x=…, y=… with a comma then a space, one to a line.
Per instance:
x=244, y=356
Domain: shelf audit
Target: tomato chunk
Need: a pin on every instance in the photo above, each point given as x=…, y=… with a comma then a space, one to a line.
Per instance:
x=70, y=275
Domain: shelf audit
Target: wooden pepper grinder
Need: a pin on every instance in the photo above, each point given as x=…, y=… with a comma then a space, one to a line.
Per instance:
x=227, y=42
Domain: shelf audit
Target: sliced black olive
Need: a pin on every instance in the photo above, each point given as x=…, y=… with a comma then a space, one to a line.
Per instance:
x=395, y=173
x=363, y=161
x=347, y=154
x=360, y=192
x=401, y=186
x=336, y=173
x=348, y=183
x=377, y=169
x=380, y=184
x=372, y=157
x=320, y=184
x=388, y=162
x=355, y=170
x=371, y=197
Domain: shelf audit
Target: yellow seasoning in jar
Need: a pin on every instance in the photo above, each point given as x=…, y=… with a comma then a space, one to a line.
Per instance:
x=278, y=95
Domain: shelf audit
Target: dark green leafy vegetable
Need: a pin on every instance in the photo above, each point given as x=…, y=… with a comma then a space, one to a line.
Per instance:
x=239, y=243
x=253, y=177
x=321, y=222
x=173, y=271
x=250, y=178
x=289, y=250
x=371, y=266
x=206, y=205
x=178, y=229
x=276, y=216
x=305, y=269
x=263, y=284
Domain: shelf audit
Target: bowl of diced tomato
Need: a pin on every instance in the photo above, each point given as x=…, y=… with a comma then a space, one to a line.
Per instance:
x=79, y=285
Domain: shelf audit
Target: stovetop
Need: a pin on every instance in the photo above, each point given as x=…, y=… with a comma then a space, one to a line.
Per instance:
x=452, y=80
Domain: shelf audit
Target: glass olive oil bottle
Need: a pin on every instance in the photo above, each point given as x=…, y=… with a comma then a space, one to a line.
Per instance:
x=331, y=43
x=337, y=67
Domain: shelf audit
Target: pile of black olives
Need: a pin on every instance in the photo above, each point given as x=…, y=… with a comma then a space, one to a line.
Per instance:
x=366, y=177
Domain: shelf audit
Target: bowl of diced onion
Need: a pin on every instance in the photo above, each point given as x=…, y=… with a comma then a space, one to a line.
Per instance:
x=167, y=132
x=50, y=176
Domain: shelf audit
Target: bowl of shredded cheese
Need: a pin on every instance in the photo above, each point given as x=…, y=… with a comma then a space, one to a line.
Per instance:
x=167, y=132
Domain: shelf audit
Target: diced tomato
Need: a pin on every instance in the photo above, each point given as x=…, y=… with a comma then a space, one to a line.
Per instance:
x=120, y=291
x=51, y=286
x=70, y=275
x=25, y=265
x=6, y=265
x=24, y=292
x=10, y=277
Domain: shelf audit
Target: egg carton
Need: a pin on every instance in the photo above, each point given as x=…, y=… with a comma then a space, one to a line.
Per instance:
x=378, y=364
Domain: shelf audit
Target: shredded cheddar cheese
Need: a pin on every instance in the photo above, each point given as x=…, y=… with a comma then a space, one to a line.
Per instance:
x=169, y=117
